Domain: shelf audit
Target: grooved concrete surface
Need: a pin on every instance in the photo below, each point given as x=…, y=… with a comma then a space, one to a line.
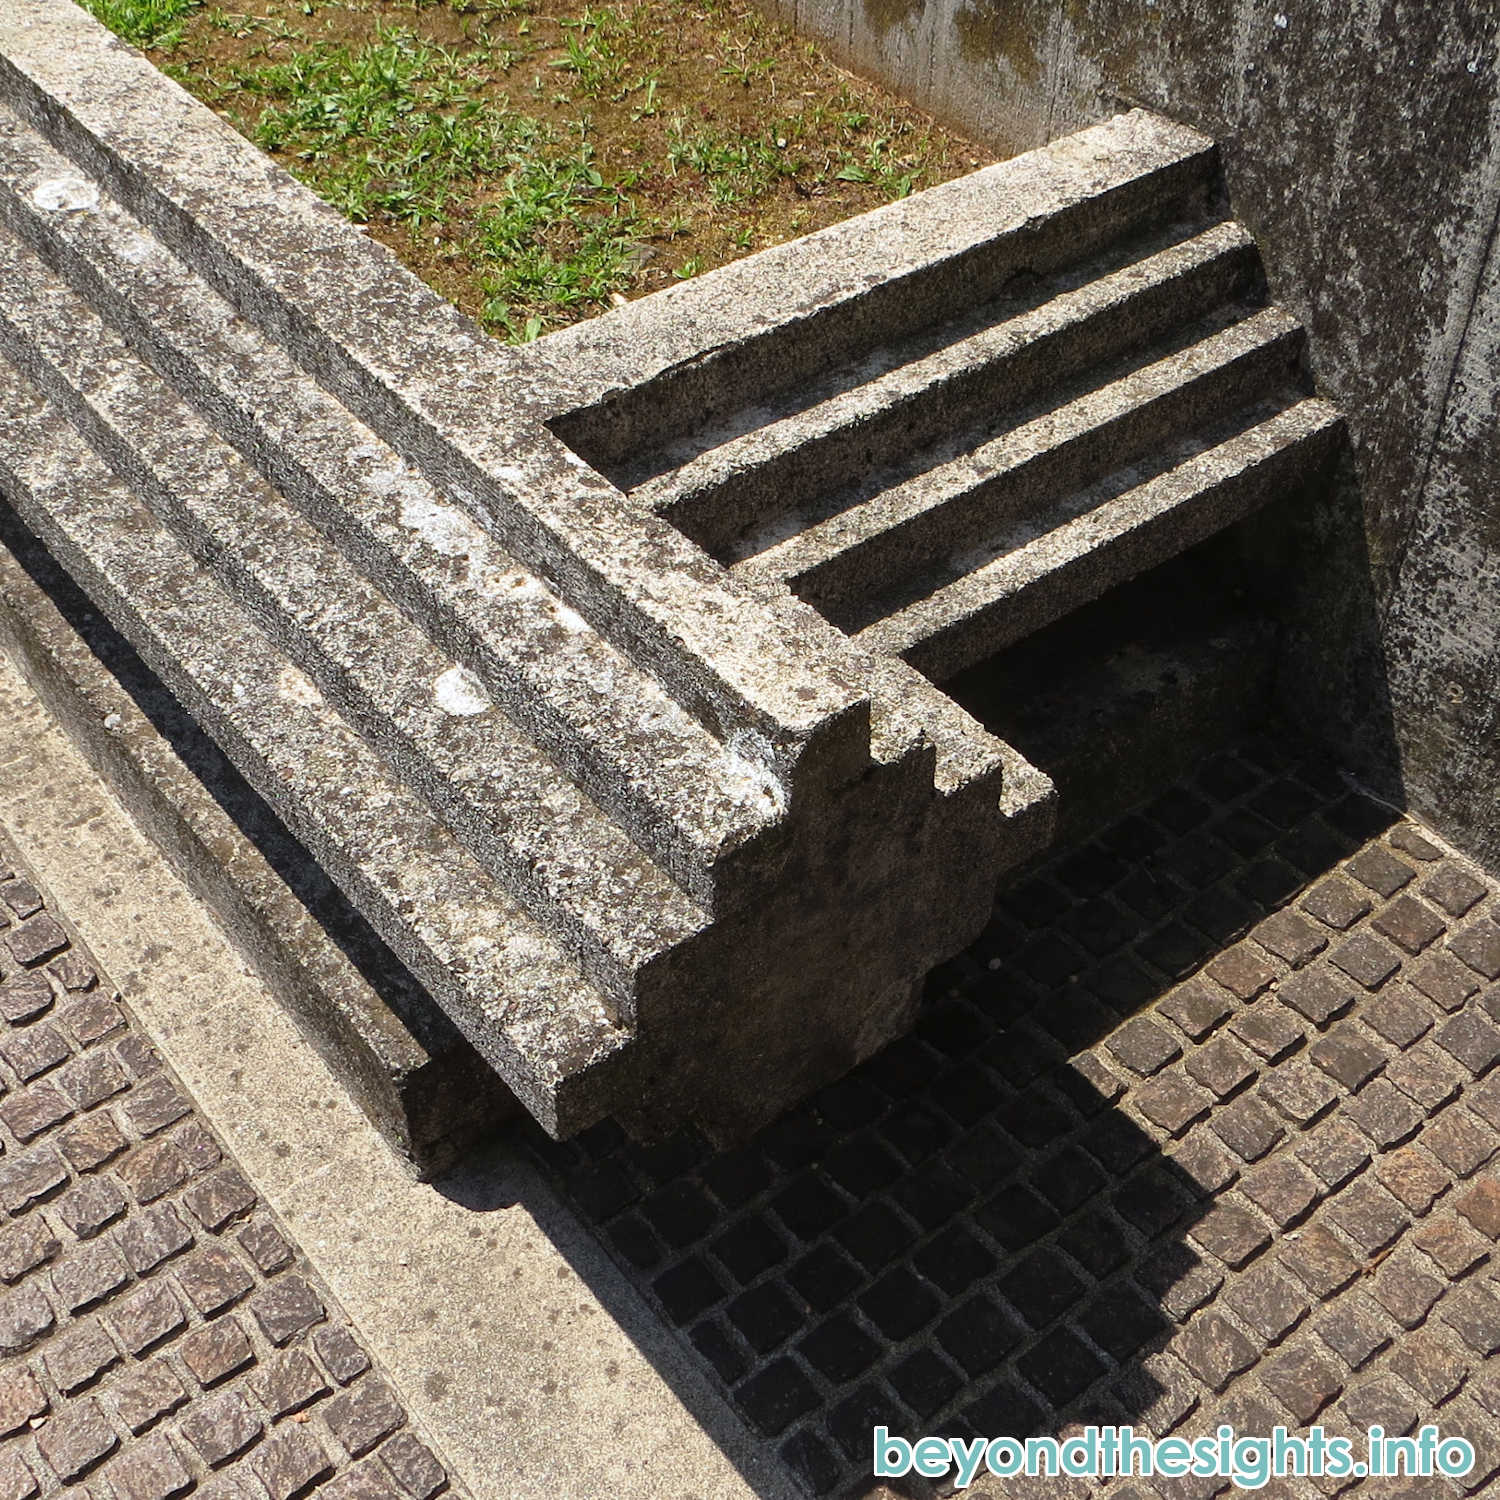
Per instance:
x=159, y=1332
x=1203, y=1130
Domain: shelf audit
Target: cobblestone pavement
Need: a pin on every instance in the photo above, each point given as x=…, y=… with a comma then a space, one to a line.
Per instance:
x=159, y=1334
x=1202, y=1130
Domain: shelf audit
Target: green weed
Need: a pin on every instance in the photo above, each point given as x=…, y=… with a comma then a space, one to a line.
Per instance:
x=144, y=23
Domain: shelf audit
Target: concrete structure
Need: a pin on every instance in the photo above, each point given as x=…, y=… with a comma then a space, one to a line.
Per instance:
x=612, y=721
x=1362, y=146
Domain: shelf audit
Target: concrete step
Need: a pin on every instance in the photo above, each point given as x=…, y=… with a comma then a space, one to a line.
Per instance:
x=562, y=857
x=1037, y=570
x=527, y=1009
x=754, y=336
x=900, y=534
x=694, y=803
x=756, y=484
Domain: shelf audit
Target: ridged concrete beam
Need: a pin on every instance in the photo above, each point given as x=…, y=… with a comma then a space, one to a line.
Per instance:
x=600, y=675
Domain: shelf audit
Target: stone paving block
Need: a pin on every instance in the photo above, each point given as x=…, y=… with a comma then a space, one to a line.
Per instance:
x=1404, y=1288
x=1267, y=1301
x=216, y=1200
x=1430, y=1078
x=21, y=898
x=1143, y=1046
x=1198, y=1009
x=221, y=1427
x=1480, y=1205
x=1463, y=1418
x=1472, y=1039
x=151, y=1236
x=341, y=1355
x=1382, y=1401
x=147, y=1394
x=1336, y=903
x=1432, y=1362
x=91, y=1079
x=289, y=1461
x=1453, y=889
x=1452, y=1243
x=199, y=1149
x=1366, y=959
x=1302, y=1379
x=1462, y=1143
x=1269, y=1029
x=35, y=940
x=147, y=1316
x=1380, y=870
x=1473, y=1312
x=92, y=1018
x=1384, y=1114
x=1283, y=1189
x=1291, y=937
x=366, y=1481
x=1368, y=1215
x=1355, y=1327
x=362, y=1415
x=1410, y=924
x=290, y=1382
x=1248, y=1128
x=79, y=1355
x=216, y=1351
x=1348, y=1055
x=92, y=1141
x=17, y=1479
x=34, y=1111
x=1172, y=1102
x=88, y=1275
x=1444, y=981
x=286, y=1308
x=265, y=1245
x=414, y=1466
x=75, y=1440
x=1413, y=1176
x=25, y=1315
x=154, y=1105
x=1213, y=1349
x=1318, y=994
x=21, y=1399
x=1298, y=1091
x=1477, y=944
x=149, y=1470
x=24, y=996
x=1206, y=1164
x=154, y=1170
x=1222, y=1067
x=35, y=1051
x=24, y=1246
x=1319, y=1260
x=1243, y=970
x=1398, y=1015
x=91, y=1206
x=213, y=1278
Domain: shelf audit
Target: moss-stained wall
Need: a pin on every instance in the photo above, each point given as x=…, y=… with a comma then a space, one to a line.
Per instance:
x=1362, y=141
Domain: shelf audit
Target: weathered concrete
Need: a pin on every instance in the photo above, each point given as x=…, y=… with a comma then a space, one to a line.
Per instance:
x=1362, y=144
x=625, y=819
x=667, y=830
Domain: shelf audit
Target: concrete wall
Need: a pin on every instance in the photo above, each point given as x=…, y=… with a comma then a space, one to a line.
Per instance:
x=1362, y=143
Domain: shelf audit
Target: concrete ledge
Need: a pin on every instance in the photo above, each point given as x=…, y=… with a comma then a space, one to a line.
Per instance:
x=400, y=1057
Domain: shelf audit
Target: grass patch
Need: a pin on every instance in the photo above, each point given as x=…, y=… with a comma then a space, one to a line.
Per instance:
x=144, y=23
x=535, y=159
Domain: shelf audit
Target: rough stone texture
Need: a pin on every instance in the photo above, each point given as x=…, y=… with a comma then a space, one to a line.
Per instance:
x=998, y=1227
x=131, y=1369
x=1329, y=118
x=651, y=736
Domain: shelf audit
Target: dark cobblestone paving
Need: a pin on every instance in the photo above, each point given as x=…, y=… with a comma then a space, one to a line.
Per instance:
x=1202, y=1130
x=159, y=1333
